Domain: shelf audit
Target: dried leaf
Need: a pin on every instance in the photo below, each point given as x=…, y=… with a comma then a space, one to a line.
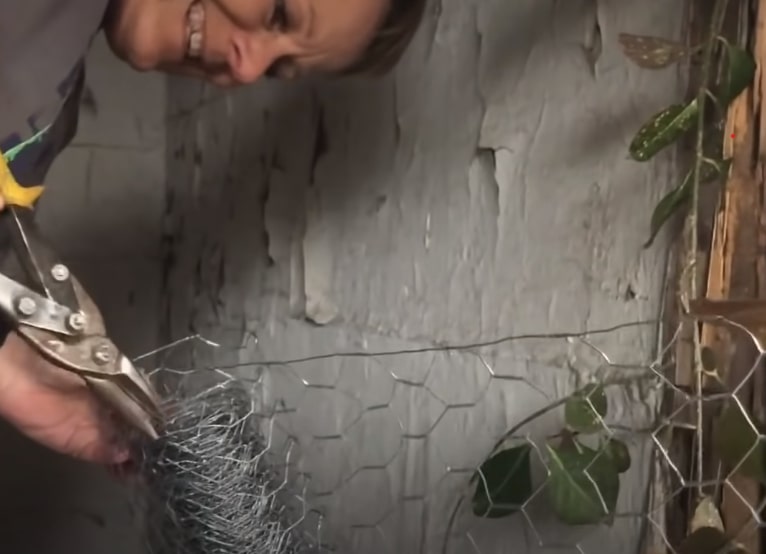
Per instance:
x=662, y=130
x=709, y=540
x=706, y=515
x=652, y=52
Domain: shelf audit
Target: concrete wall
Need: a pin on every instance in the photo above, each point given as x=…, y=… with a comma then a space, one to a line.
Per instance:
x=482, y=190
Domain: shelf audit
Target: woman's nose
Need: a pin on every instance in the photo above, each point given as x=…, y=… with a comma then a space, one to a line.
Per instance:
x=250, y=56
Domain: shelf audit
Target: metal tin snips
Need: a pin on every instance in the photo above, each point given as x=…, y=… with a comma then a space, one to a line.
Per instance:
x=56, y=315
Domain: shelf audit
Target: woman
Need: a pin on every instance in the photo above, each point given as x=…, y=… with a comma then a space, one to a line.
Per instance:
x=227, y=42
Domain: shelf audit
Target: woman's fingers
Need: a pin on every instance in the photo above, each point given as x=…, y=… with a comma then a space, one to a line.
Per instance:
x=56, y=408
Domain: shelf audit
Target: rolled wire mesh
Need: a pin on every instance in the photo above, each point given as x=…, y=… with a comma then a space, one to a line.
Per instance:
x=212, y=488
x=388, y=450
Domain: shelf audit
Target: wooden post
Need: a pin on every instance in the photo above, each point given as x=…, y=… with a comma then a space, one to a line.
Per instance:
x=737, y=269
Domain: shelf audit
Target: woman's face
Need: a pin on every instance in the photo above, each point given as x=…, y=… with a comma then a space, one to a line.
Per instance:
x=232, y=42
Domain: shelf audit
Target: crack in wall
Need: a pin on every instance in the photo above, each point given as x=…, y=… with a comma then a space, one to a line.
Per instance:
x=321, y=144
x=593, y=42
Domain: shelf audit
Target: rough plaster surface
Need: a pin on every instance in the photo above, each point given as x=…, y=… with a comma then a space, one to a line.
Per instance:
x=102, y=211
x=483, y=190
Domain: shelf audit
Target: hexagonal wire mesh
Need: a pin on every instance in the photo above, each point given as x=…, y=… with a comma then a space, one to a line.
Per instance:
x=382, y=452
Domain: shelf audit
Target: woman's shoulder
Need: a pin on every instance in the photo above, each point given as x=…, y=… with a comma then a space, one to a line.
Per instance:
x=40, y=69
x=31, y=154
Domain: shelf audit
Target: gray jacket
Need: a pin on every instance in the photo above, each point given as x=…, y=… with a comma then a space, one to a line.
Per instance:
x=42, y=46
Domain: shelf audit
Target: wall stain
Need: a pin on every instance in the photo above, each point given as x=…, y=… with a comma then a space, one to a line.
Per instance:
x=377, y=204
x=630, y=294
x=263, y=202
x=321, y=144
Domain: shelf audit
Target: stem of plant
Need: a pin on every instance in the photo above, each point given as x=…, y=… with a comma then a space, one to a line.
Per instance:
x=716, y=24
x=451, y=524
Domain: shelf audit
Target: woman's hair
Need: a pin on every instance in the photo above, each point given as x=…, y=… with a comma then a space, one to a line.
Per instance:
x=392, y=39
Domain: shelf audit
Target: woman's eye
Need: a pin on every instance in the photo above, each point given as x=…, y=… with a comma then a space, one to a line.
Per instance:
x=279, y=16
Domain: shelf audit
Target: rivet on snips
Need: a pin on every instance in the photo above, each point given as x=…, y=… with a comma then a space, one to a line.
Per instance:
x=76, y=321
x=60, y=272
x=102, y=354
x=26, y=306
x=54, y=313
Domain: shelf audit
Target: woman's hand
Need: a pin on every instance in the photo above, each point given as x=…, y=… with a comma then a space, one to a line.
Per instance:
x=54, y=407
x=45, y=402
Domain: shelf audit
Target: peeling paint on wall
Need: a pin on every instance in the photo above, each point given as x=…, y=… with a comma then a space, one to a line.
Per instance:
x=481, y=190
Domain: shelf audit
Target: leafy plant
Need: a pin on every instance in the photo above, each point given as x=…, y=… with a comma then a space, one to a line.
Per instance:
x=669, y=125
x=619, y=454
x=583, y=484
x=680, y=196
x=585, y=409
x=740, y=71
x=662, y=130
x=503, y=483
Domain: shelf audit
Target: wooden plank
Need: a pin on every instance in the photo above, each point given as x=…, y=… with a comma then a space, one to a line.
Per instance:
x=736, y=270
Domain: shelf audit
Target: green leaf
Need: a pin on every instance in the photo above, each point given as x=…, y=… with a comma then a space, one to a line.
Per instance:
x=709, y=540
x=682, y=194
x=740, y=72
x=737, y=443
x=503, y=483
x=583, y=486
x=663, y=129
x=669, y=206
x=619, y=454
x=652, y=52
x=584, y=410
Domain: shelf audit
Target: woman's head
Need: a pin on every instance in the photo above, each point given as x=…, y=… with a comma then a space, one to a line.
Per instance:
x=233, y=42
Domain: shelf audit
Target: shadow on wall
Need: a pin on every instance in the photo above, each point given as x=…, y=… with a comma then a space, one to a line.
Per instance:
x=245, y=169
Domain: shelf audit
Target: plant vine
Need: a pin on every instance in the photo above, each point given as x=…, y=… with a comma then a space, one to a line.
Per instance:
x=585, y=460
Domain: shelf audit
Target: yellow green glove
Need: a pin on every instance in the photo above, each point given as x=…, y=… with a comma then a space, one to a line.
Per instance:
x=11, y=192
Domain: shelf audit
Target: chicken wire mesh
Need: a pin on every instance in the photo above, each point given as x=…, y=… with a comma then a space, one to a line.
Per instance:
x=380, y=452
x=212, y=487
